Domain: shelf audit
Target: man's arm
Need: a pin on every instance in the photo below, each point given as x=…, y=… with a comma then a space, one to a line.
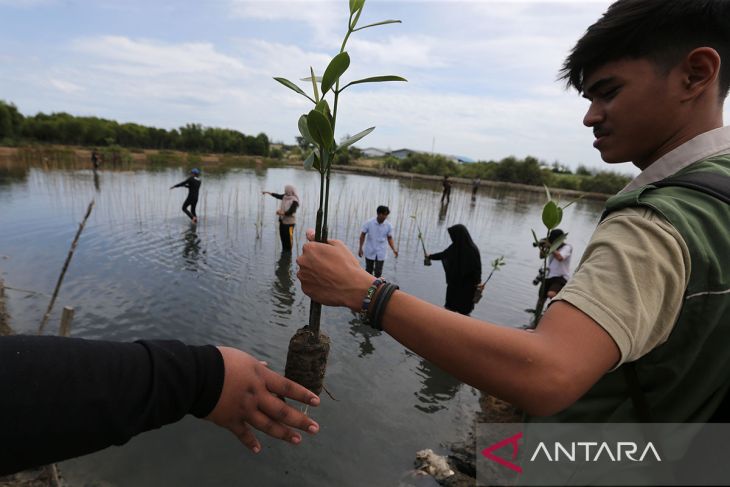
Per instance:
x=541, y=372
x=362, y=242
x=392, y=246
x=185, y=183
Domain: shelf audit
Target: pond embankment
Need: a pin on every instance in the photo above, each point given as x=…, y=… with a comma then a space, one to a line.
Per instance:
x=213, y=161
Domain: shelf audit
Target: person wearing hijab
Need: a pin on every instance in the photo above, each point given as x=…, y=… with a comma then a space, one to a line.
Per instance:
x=463, y=267
x=287, y=220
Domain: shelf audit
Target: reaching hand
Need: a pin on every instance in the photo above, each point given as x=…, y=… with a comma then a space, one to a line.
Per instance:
x=331, y=275
x=249, y=398
x=359, y=252
x=395, y=252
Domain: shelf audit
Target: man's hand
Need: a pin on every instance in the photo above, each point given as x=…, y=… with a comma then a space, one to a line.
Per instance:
x=249, y=399
x=359, y=252
x=395, y=253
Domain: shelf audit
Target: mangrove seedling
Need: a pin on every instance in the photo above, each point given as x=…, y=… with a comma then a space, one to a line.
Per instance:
x=308, y=348
x=426, y=259
x=497, y=264
x=552, y=215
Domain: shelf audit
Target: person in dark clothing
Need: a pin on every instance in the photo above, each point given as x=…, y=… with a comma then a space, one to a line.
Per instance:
x=446, y=195
x=94, y=160
x=66, y=397
x=463, y=267
x=287, y=220
x=193, y=185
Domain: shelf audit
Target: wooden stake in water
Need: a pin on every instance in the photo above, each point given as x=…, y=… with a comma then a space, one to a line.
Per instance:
x=66, y=318
x=65, y=268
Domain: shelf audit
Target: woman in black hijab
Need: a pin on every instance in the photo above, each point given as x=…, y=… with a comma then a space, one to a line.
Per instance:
x=463, y=268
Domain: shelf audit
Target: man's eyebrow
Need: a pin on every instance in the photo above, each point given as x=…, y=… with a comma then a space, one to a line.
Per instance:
x=598, y=85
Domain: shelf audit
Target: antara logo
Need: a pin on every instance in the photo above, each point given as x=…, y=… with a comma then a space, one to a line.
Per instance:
x=588, y=451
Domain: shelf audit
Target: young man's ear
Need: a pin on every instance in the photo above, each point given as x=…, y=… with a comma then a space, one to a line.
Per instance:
x=700, y=73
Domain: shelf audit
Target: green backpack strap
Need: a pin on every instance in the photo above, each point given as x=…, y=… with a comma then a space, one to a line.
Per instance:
x=713, y=184
x=718, y=186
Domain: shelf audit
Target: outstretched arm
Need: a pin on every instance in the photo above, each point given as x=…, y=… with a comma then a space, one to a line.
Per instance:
x=541, y=372
x=65, y=397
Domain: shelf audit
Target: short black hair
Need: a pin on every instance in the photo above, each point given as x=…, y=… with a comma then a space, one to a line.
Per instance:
x=662, y=31
x=555, y=234
x=383, y=209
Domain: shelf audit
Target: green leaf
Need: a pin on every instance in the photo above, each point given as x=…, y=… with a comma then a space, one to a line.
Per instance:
x=318, y=79
x=304, y=130
x=320, y=129
x=336, y=68
x=352, y=6
x=550, y=216
x=374, y=79
x=294, y=87
x=355, y=138
x=558, y=242
x=314, y=85
x=309, y=161
x=326, y=160
x=384, y=22
x=560, y=215
x=577, y=199
x=324, y=108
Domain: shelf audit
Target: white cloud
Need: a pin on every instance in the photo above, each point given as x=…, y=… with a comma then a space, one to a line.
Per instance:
x=65, y=86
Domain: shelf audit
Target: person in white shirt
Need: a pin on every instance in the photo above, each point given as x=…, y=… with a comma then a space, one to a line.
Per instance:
x=374, y=234
x=558, y=265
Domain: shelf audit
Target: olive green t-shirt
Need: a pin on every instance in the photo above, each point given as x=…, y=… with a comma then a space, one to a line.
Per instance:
x=631, y=280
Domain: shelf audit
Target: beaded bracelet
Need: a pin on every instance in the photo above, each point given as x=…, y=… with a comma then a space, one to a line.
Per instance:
x=381, y=301
x=369, y=297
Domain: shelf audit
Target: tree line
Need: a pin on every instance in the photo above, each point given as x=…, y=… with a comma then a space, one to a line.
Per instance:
x=63, y=128
x=510, y=169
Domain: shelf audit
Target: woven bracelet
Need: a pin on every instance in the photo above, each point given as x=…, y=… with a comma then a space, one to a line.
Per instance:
x=366, y=303
x=380, y=304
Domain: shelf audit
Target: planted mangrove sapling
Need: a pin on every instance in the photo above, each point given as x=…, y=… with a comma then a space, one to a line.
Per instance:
x=552, y=215
x=426, y=258
x=308, y=348
x=497, y=264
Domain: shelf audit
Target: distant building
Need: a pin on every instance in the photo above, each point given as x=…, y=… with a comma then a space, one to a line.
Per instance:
x=373, y=152
x=403, y=153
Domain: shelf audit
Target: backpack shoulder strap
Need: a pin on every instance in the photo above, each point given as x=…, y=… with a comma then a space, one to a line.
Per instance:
x=713, y=184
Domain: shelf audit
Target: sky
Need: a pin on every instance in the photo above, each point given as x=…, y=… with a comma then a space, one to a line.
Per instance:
x=482, y=74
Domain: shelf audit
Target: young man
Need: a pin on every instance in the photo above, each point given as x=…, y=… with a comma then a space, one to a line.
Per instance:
x=375, y=232
x=193, y=185
x=650, y=299
x=446, y=194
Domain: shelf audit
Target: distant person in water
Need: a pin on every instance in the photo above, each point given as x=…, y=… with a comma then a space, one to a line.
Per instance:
x=463, y=267
x=94, y=159
x=476, y=182
x=375, y=233
x=287, y=220
x=193, y=185
x=446, y=195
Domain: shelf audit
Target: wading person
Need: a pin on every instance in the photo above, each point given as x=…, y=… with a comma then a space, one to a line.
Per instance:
x=374, y=235
x=94, y=160
x=446, y=194
x=287, y=220
x=463, y=268
x=193, y=185
x=558, y=270
x=476, y=182
x=66, y=397
x=641, y=330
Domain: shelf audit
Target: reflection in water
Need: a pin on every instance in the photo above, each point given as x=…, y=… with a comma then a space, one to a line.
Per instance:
x=97, y=184
x=438, y=388
x=283, y=289
x=358, y=328
x=442, y=211
x=191, y=249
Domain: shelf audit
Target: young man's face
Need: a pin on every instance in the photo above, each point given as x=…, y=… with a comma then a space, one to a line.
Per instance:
x=634, y=111
x=382, y=217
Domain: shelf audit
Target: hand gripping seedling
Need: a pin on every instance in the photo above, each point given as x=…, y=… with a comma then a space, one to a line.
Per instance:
x=308, y=349
x=426, y=258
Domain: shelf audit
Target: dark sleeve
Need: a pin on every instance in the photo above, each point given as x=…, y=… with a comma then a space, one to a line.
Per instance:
x=65, y=397
x=185, y=183
x=437, y=256
x=292, y=209
x=277, y=196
